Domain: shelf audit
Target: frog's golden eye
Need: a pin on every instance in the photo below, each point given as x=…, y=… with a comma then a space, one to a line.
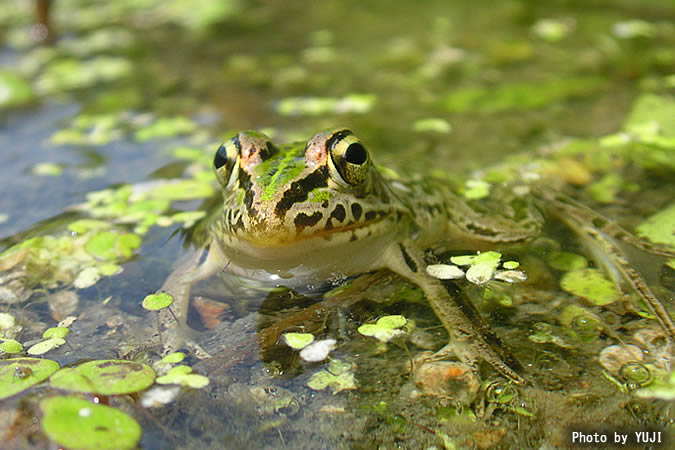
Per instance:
x=349, y=156
x=224, y=160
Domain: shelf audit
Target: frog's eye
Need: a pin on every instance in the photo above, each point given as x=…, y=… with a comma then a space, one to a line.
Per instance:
x=224, y=160
x=349, y=156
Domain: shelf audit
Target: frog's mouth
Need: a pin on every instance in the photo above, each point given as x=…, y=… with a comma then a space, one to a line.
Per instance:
x=321, y=254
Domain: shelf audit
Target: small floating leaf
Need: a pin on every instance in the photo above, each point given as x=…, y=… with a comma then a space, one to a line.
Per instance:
x=43, y=347
x=18, y=374
x=385, y=329
x=10, y=346
x=566, y=261
x=55, y=332
x=298, y=341
x=105, y=377
x=76, y=423
x=172, y=358
x=87, y=278
x=591, y=285
x=659, y=228
x=155, y=302
x=445, y=271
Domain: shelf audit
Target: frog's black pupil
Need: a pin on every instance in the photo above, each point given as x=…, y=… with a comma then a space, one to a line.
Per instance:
x=356, y=154
x=221, y=157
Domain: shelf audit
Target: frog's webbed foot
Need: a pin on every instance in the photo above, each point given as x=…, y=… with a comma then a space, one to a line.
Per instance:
x=471, y=337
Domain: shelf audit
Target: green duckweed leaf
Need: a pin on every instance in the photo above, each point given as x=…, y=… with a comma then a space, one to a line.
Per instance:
x=591, y=285
x=47, y=169
x=11, y=346
x=43, y=347
x=87, y=278
x=298, y=341
x=105, y=377
x=165, y=128
x=56, y=332
x=432, y=124
x=386, y=328
x=182, y=190
x=76, y=423
x=14, y=90
x=519, y=96
x=183, y=376
x=7, y=321
x=659, y=228
x=155, y=302
x=338, y=377
x=566, y=261
x=19, y=374
x=172, y=358
x=82, y=226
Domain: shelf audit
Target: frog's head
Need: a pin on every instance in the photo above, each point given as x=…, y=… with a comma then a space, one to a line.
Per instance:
x=275, y=196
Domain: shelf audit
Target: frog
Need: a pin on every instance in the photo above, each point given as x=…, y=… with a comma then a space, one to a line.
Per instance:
x=322, y=209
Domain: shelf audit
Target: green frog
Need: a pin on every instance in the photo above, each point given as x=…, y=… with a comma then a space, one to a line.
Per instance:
x=322, y=210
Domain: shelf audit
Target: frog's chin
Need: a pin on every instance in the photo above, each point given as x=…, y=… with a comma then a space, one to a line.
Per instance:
x=312, y=257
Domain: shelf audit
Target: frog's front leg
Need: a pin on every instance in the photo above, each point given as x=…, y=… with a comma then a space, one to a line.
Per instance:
x=174, y=323
x=472, y=335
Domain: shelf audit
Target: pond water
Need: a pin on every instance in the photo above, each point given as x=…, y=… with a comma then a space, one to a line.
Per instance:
x=107, y=139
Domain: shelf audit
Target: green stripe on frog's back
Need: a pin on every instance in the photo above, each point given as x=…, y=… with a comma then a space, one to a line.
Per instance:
x=277, y=171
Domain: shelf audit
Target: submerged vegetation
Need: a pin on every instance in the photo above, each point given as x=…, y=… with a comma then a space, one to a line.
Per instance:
x=109, y=135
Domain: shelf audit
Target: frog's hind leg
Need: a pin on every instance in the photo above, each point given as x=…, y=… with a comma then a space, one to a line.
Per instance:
x=472, y=337
x=601, y=237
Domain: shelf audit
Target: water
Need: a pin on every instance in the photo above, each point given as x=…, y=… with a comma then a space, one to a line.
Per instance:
x=500, y=79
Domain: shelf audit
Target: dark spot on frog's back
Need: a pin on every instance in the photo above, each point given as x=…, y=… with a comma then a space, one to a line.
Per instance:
x=356, y=211
x=299, y=190
x=303, y=220
x=339, y=213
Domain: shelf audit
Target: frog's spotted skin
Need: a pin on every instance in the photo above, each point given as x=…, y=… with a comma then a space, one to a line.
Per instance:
x=320, y=210
x=278, y=196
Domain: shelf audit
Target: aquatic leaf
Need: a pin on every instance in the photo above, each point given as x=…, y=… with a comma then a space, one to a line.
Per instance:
x=591, y=285
x=19, y=374
x=634, y=28
x=155, y=302
x=386, y=328
x=338, y=377
x=76, y=423
x=659, y=228
x=166, y=127
x=663, y=389
x=566, y=261
x=105, y=377
x=510, y=265
x=172, y=358
x=445, y=271
x=183, y=376
x=14, y=90
x=47, y=169
x=519, y=96
x=7, y=321
x=56, y=332
x=298, y=341
x=476, y=189
x=82, y=226
x=87, y=278
x=432, y=124
x=181, y=190
x=552, y=30
x=10, y=346
x=43, y=347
